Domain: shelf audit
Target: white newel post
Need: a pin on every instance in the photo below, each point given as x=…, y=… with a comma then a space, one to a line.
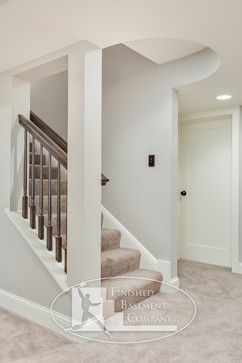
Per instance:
x=84, y=164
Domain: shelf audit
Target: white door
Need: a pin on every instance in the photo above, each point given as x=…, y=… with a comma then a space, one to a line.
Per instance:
x=206, y=155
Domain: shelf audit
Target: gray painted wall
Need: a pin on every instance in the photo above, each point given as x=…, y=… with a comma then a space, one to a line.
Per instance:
x=21, y=272
x=49, y=100
x=137, y=121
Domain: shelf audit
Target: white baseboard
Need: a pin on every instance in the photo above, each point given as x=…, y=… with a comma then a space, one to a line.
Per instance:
x=240, y=268
x=36, y=313
x=175, y=282
x=237, y=268
x=165, y=268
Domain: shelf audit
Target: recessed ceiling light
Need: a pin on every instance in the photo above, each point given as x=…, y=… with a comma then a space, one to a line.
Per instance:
x=223, y=97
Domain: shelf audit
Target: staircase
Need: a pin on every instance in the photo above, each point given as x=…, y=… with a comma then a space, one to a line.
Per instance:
x=44, y=203
x=41, y=201
x=124, y=265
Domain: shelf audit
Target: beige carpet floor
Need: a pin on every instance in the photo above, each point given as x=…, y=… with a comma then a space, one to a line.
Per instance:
x=215, y=336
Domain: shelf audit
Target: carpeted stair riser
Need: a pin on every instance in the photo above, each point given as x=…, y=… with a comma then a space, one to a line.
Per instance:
x=63, y=228
x=54, y=223
x=54, y=203
x=135, y=281
x=45, y=187
x=37, y=159
x=110, y=239
x=118, y=261
x=54, y=172
x=63, y=231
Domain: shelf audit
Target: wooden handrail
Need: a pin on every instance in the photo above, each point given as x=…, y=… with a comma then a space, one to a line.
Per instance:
x=59, y=154
x=48, y=131
x=51, y=141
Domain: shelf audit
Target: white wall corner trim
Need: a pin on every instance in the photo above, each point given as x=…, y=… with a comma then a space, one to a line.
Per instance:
x=164, y=267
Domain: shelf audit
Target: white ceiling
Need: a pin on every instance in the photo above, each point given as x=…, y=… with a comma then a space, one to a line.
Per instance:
x=32, y=28
x=162, y=51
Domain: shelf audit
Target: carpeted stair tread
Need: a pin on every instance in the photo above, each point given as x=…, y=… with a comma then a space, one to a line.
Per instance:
x=132, y=287
x=110, y=239
x=111, y=233
x=119, y=261
x=54, y=203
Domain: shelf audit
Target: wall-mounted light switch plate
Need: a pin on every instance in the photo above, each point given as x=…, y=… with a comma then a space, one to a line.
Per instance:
x=151, y=160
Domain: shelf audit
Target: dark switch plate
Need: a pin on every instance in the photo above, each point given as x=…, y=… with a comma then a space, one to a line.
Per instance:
x=151, y=160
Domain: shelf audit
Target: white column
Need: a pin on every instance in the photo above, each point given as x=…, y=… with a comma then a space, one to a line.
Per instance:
x=5, y=140
x=174, y=184
x=84, y=164
x=20, y=105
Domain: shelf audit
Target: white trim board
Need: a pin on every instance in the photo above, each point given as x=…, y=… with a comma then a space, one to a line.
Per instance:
x=164, y=266
x=212, y=114
x=234, y=114
x=47, y=258
x=240, y=268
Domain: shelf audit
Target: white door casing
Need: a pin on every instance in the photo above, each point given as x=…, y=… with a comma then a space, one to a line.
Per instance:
x=206, y=176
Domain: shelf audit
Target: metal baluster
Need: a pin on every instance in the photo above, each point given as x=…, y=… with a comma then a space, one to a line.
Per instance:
x=32, y=206
x=65, y=261
x=25, y=185
x=40, y=216
x=58, y=253
x=49, y=226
